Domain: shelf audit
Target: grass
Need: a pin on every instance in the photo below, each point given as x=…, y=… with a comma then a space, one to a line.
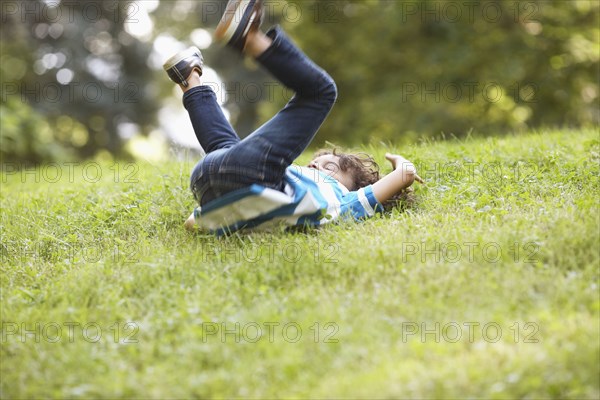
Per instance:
x=487, y=288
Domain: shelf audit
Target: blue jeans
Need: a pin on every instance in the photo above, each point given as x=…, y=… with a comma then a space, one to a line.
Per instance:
x=263, y=156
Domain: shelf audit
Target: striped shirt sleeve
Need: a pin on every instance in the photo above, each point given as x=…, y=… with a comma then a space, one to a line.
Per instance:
x=360, y=204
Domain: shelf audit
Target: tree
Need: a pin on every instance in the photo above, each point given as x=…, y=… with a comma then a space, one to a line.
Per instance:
x=74, y=64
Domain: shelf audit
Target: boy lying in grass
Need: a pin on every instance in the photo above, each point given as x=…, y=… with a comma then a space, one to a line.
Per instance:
x=252, y=183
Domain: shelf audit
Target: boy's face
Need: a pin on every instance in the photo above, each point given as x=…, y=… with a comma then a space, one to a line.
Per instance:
x=329, y=164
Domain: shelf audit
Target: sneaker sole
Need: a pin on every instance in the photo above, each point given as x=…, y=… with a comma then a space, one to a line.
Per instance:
x=234, y=15
x=174, y=60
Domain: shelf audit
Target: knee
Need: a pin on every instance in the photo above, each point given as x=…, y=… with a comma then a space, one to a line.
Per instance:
x=329, y=90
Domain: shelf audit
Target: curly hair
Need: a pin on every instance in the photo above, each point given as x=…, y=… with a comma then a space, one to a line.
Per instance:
x=365, y=171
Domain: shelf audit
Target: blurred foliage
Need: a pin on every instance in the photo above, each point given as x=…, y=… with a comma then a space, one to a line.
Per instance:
x=411, y=69
x=76, y=74
x=75, y=81
x=26, y=135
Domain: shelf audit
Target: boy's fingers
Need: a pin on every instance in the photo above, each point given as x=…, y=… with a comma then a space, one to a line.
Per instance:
x=391, y=157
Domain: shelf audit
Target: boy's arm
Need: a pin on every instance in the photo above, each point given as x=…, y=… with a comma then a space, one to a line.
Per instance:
x=403, y=175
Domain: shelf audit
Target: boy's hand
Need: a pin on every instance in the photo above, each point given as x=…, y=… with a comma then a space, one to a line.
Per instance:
x=190, y=223
x=402, y=177
x=400, y=163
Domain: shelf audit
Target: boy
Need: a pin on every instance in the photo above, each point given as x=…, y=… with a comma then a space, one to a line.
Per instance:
x=252, y=183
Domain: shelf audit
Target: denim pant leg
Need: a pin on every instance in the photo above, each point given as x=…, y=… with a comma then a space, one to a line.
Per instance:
x=214, y=133
x=285, y=136
x=212, y=129
x=294, y=127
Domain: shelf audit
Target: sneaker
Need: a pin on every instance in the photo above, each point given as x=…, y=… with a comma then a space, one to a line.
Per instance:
x=181, y=65
x=240, y=17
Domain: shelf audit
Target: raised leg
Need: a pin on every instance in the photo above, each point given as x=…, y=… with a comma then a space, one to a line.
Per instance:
x=210, y=125
x=290, y=131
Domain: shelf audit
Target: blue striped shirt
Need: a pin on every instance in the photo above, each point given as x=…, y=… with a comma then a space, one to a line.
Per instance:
x=310, y=198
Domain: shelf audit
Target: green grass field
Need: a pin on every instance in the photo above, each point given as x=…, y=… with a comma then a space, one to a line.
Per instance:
x=487, y=288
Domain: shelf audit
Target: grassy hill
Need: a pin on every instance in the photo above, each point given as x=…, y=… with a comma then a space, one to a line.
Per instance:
x=488, y=287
